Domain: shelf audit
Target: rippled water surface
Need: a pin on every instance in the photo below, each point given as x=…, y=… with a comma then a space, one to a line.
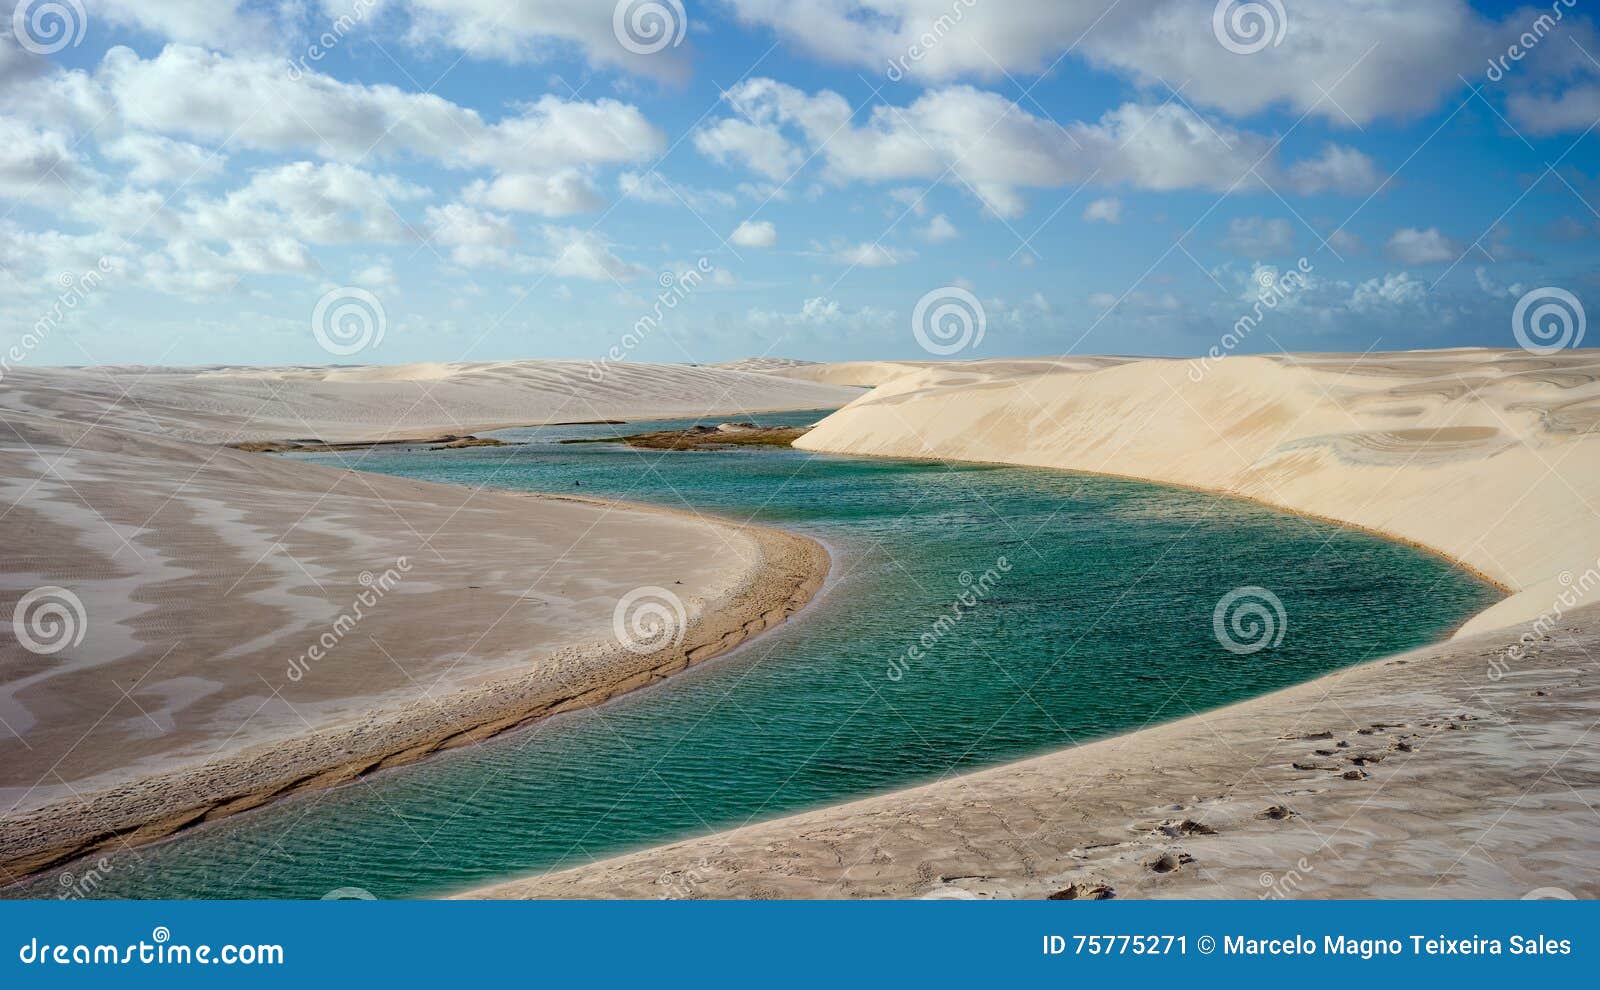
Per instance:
x=1103, y=623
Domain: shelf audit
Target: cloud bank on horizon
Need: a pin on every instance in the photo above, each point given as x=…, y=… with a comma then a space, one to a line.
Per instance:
x=187, y=182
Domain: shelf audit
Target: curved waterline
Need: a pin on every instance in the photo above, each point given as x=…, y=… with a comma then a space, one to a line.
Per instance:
x=1091, y=612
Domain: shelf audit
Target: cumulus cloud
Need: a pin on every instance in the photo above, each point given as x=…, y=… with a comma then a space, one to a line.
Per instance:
x=938, y=230
x=1364, y=58
x=995, y=148
x=1422, y=247
x=557, y=194
x=1107, y=210
x=869, y=255
x=160, y=161
x=755, y=234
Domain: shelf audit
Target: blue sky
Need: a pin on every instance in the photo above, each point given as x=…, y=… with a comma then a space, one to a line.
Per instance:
x=510, y=180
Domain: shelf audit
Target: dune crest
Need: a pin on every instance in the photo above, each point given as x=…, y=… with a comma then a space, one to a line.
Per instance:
x=1488, y=457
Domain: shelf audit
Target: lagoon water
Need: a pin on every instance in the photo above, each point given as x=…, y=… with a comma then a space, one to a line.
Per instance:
x=1102, y=623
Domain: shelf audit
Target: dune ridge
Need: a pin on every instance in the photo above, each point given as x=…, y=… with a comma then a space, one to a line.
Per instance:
x=203, y=581
x=1488, y=457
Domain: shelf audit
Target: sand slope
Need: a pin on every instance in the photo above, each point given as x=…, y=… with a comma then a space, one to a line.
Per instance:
x=1489, y=457
x=231, y=405
x=206, y=575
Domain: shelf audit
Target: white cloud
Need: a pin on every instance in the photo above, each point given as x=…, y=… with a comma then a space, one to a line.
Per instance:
x=938, y=230
x=996, y=148
x=585, y=254
x=39, y=164
x=1345, y=242
x=1574, y=109
x=1258, y=237
x=252, y=102
x=1401, y=289
x=1376, y=57
x=160, y=161
x=755, y=234
x=870, y=255
x=538, y=30
x=653, y=187
x=460, y=225
x=1422, y=247
x=1107, y=210
x=1338, y=169
x=323, y=203
x=557, y=194
x=759, y=148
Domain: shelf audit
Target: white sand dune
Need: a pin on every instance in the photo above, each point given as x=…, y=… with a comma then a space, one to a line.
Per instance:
x=1463, y=769
x=234, y=405
x=204, y=577
x=1489, y=457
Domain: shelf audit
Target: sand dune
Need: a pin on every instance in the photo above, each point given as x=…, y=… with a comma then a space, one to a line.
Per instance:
x=1464, y=769
x=232, y=405
x=1488, y=457
x=203, y=580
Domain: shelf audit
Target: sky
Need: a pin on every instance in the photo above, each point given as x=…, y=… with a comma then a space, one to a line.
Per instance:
x=389, y=181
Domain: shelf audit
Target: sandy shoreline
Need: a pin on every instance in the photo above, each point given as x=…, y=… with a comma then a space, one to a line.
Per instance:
x=788, y=572
x=201, y=577
x=1411, y=776
x=1480, y=457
